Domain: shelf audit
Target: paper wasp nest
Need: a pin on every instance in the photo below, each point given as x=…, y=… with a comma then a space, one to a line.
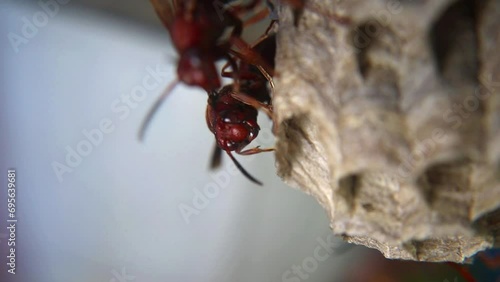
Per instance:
x=390, y=118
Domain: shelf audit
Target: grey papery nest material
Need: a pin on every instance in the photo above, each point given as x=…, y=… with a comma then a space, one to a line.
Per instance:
x=391, y=120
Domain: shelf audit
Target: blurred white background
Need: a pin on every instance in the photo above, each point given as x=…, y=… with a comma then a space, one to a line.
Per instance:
x=116, y=215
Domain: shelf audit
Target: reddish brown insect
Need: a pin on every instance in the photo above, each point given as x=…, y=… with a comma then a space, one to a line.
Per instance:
x=234, y=125
x=196, y=28
x=232, y=117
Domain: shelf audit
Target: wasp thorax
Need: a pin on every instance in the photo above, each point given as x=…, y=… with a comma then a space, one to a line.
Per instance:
x=195, y=71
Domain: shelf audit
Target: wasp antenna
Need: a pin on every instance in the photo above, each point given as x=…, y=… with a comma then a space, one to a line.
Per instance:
x=238, y=165
x=155, y=108
x=216, y=157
